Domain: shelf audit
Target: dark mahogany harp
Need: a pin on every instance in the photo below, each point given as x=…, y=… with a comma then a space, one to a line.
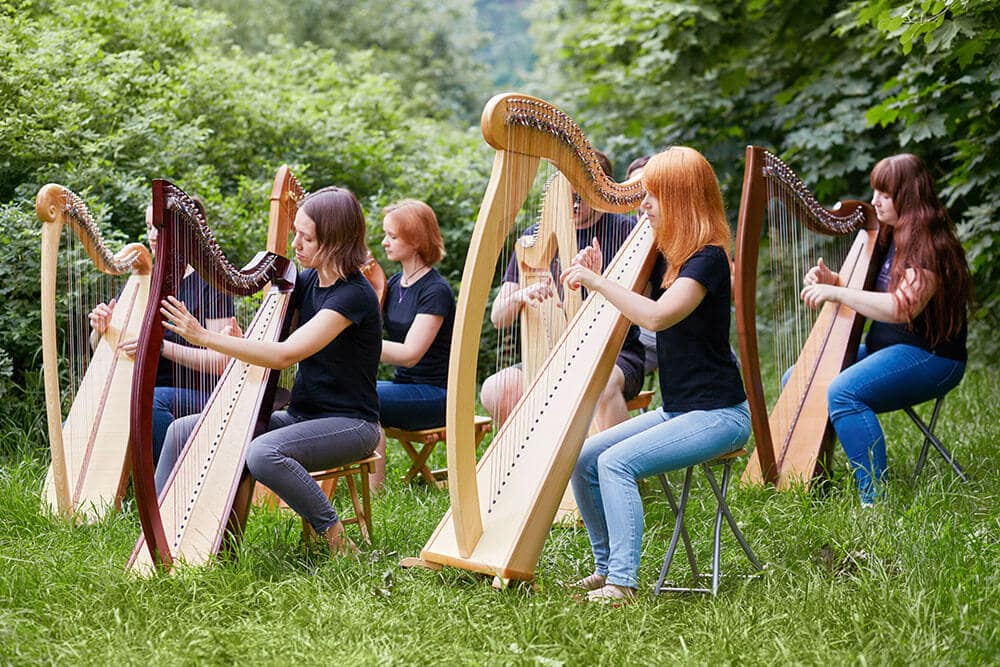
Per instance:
x=184, y=238
x=791, y=439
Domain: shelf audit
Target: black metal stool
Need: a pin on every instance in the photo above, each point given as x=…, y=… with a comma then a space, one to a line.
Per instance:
x=931, y=439
x=680, y=530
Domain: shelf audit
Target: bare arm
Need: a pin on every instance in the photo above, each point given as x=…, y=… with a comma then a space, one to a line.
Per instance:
x=418, y=340
x=304, y=342
x=912, y=296
x=679, y=301
x=512, y=297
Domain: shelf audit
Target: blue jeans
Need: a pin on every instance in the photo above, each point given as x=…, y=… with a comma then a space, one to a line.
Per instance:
x=605, y=480
x=282, y=457
x=170, y=403
x=411, y=406
x=893, y=378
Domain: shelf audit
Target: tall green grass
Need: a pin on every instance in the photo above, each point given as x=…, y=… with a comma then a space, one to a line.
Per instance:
x=913, y=580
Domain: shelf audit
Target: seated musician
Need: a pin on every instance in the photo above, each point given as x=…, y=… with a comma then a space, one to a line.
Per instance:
x=704, y=413
x=332, y=417
x=915, y=348
x=185, y=375
x=418, y=316
x=502, y=390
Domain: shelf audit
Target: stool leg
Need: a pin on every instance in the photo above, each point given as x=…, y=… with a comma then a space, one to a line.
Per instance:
x=366, y=504
x=720, y=495
x=684, y=533
x=717, y=533
x=931, y=439
x=678, y=527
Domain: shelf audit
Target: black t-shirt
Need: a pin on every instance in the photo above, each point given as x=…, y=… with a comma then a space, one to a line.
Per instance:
x=697, y=368
x=611, y=230
x=431, y=295
x=339, y=380
x=205, y=303
x=884, y=334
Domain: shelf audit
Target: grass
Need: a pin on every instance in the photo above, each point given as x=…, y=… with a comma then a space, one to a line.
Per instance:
x=914, y=580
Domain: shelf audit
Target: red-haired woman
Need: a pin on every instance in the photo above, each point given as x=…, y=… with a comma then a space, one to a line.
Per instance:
x=705, y=412
x=418, y=316
x=915, y=348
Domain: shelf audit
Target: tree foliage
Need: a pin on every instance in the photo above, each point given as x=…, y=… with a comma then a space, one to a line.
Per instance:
x=104, y=95
x=832, y=86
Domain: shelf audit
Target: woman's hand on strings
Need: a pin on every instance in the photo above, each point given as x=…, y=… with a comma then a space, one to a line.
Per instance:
x=820, y=275
x=577, y=276
x=591, y=257
x=232, y=328
x=100, y=316
x=816, y=294
x=537, y=292
x=178, y=319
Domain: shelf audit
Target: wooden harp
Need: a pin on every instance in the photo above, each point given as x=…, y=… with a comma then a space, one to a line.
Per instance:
x=502, y=508
x=778, y=210
x=89, y=472
x=208, y=491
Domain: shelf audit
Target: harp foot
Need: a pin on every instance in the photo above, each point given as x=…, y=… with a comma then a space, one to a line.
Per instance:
x=419, y=562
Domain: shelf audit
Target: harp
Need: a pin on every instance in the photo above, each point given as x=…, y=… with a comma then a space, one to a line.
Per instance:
x=208, y=491
x=88, y=472
x=778, y=211
x=502, y=508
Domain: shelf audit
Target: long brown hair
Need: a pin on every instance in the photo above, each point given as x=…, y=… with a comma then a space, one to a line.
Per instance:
x=692, y=215
x=340, y=228
x=925, y=239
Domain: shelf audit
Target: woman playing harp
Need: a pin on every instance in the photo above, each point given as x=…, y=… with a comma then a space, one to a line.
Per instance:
x=332, y=417
x=185, y=375
x=502, y=508
x=704, y=413
x=88, y=473
x=915, y=348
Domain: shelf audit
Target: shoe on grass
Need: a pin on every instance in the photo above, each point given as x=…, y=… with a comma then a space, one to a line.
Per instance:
x=612, y=594
x=589, y=583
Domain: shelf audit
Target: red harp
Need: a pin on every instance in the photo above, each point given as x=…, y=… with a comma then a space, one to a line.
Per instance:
x=208, y=493
x=781, y=223
x=88, y=423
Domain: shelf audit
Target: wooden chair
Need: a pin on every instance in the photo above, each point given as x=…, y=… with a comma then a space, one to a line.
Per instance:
x=362, y=505
x=641, y=401
x=680, y=530
x=931, y=439
x=428, y=439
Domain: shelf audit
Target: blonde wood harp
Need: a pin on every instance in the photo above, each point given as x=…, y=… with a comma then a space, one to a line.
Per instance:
x=502, y=507
x=89, y=443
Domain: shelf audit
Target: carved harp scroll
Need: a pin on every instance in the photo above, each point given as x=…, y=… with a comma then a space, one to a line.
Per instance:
x=184, y=238
x=501, y=510
x=791, y=439
x=88, y=473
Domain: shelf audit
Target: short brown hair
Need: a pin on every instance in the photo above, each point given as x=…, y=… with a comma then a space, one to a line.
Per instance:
x=340, y=228
x=418, y=226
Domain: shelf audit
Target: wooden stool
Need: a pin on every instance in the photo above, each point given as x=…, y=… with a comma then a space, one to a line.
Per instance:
x=641, y=401
x=362, y=506
x=680, y=530
x=428, y=438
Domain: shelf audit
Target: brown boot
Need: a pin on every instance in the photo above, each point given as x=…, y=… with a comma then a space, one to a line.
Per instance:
x=338, y=541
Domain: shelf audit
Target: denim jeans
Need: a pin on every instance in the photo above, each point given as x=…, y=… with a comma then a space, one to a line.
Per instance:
x=170, y=403
x=282, y=457
x=893, y=378
x=605, y=480
x=411, y=406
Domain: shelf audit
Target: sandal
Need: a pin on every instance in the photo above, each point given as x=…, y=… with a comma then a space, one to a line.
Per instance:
x=612, y=594
x=589, y=583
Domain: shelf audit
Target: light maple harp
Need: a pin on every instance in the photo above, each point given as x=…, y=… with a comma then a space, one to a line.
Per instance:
x=89, y=472
x=502, y=507
x=776, y=206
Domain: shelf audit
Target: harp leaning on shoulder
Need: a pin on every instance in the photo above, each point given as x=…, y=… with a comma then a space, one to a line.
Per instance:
x=502, y=507
x=89, y=471
x=782, y=231
x=207, y=496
